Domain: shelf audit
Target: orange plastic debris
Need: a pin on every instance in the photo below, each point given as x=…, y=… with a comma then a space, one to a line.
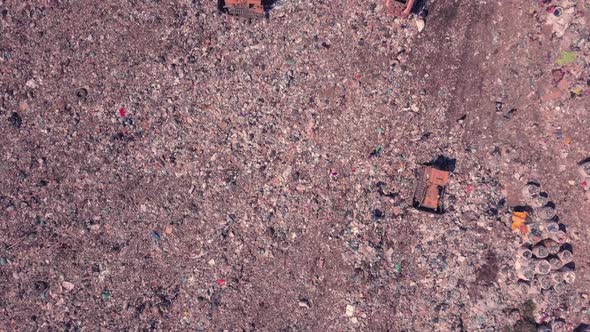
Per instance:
x=518, y=222
x=521, y=215
x=516, y=225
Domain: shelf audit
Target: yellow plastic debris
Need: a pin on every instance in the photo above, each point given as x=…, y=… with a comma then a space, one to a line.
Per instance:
x=577, y=90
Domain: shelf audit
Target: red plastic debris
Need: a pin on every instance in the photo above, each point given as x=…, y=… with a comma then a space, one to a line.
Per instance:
x=584, y=184
x=122, y=112
x=469, y=189
x=220, y=282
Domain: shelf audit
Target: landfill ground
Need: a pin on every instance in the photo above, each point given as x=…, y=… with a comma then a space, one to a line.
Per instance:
x=165, y=167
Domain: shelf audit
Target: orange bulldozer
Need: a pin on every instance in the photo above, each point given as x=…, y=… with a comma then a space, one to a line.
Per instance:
x=430, y=189
x=244, y=8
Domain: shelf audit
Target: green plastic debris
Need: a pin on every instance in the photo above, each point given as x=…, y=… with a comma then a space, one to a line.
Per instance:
x=398, y=267
x=567, y=57
x=376, y=151
x=106, y=295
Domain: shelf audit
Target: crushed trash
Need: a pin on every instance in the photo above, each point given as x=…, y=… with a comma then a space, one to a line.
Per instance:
x=584, y=168
x=304, y=303
x=556, y=76
x=420, y=24
x=349, y=310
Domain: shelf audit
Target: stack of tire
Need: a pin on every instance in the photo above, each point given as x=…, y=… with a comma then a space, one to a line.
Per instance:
x=544, y=262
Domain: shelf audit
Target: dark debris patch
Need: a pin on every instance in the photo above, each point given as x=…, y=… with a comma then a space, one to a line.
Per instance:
x=15, y=120
x=499, y=106
x=156, y=236
x=488, y=272
x=510, y=113
x=378, y=214
x=376, y=151
x=82, y=94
